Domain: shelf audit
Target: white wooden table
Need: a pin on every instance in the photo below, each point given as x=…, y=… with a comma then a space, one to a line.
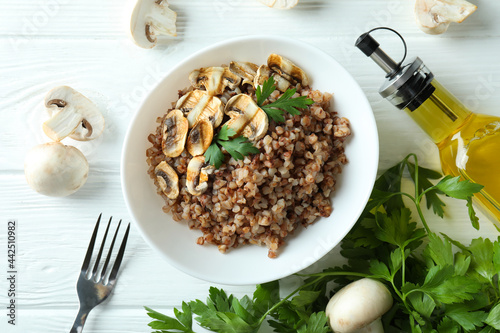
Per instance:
x=84, y=44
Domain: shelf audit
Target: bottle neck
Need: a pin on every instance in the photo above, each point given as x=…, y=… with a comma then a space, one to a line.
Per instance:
x=441, y=114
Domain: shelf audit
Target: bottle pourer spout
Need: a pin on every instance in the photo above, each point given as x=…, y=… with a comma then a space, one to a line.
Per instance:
x=370, y=47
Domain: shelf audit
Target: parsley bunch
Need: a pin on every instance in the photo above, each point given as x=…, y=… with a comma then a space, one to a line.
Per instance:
x=276, y=109
x=438, y=284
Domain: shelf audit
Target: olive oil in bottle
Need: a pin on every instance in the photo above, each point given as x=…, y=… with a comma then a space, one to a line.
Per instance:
x=468, y=143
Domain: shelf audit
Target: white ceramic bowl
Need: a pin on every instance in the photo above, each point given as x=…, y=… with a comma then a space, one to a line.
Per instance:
x=249, y=264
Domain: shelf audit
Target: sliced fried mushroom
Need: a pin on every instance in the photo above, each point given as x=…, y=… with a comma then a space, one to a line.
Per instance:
x=168, y=180
x=280, y=4
x=264, y=73
x=175, y=130
x=71, y=114
x=247, y=118
x=197, y=175
x=200, y=105
x=257, y=127
x=245, y=70
x=214, y=79
x=287, y=69
x=150, y=19
x=200, y=138
x=434, y=16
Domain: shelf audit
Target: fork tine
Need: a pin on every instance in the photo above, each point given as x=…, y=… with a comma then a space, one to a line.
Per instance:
x=101, y=249
x=90, y=249
x=110, y=251
x=119, y=257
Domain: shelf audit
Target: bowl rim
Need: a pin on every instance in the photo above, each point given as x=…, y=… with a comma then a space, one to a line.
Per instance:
x=202, y=50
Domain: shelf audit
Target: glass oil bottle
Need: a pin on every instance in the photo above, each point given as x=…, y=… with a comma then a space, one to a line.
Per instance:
x=469, y=143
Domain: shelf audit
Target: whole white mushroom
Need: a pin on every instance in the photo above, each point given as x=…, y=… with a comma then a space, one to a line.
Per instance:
x=358, y=307
x=55, y=169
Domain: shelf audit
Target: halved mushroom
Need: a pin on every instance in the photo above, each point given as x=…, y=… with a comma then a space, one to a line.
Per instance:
x=434, y=16
x=168, y=180
x=175, y=130
x=197, y=175
x=72, y=114
x=245, y=70
x=287, y=69
x=200, y=105
x=247, y=118
x=280, y=4
x=264, y=73
x=214, y=79
x=200, y=138
x=150, y=19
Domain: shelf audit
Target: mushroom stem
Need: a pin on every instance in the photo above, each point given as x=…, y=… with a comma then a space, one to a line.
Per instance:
x=151, y=19
x=159, y=23
x=374, y=327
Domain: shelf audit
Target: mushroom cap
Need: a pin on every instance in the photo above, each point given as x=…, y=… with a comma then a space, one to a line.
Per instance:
x=357, y=305
x=72, y=114
x=150, y=19
x=56, y=170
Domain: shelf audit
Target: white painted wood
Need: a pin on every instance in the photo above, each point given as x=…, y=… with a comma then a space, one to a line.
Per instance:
x=84, y=43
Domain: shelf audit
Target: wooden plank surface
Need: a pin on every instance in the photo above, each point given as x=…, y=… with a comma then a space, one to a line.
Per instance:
x=84, y=44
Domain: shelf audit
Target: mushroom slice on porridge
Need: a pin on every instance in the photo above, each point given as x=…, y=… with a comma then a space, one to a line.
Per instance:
x=200, y=137
x=175, y=130
x=264, y=73
x=197, y=175
x=198, y=105
x=247, y=117
x=168, y=180
x=245, y=70
x=214, y=79
x=287, y=69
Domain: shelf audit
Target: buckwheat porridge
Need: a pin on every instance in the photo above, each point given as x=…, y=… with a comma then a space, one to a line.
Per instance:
x=234, y=161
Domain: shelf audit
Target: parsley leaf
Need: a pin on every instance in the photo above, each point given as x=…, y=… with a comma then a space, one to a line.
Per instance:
x=214, y=155
x=431, y=196
x=238, y=147
x=493, y=318
x=276, y=109
x=163, y=323
x=453, y=187
x=285, y=103
x=263, y=92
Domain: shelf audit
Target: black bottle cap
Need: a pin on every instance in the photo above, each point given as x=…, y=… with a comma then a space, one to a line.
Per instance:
x=367, y=44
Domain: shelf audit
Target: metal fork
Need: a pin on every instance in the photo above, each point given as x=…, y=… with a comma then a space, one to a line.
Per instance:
x=94, y=289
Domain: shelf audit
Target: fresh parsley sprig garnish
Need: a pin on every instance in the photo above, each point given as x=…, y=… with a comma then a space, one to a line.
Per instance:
x=436, y=288
x=276, y=109
x=238, y=147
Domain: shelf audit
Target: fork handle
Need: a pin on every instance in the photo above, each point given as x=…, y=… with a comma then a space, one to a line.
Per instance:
x=81, y=317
